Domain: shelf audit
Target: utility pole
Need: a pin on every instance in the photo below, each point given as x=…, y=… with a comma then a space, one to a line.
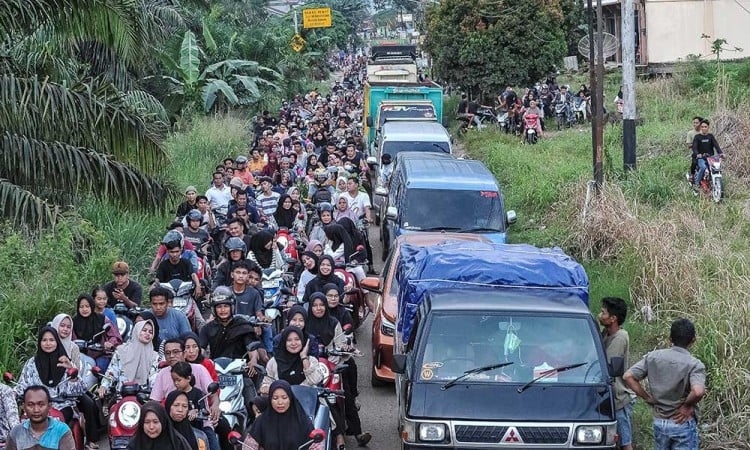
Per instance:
x=628, y=84
x=599, y=114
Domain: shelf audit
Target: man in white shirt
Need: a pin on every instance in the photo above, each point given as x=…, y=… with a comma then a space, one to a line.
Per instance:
x=219, y=194
x=359, y=203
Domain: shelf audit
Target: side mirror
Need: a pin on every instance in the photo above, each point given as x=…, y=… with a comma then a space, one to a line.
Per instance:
x=291, y=261
x=72, y=372
x=107, y=326
x=369, y=122
x=381, y=191
x=142, y=397
x=317, y=435
x=254, y=346
x=399, y=363
x=372, y=160
x=510, y=217
x=616, y=366
x=235, y=438
x=371, y=284
x=213, y=388
x=391, y=213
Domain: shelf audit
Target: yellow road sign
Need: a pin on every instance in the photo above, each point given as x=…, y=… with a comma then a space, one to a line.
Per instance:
x=297, y=43
x=316, y=18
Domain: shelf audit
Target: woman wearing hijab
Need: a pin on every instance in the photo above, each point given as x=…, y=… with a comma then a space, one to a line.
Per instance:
x=340, y=187
x=264, y=251
x=48, y=368
x=297, y=317
x=87, y=323
x=271, y=169
x=156, y=342
x=177, y=406
x=325, y=275
x=339, y=244
x=322, y=325
x=135, y=361
x=285, y=215
x=194, y=355
x=350, y=226
x=342, y=210
x=315, y=246
x=284, y=426
x=309, y=268
x=155, y=431
x=63, y=324
x=291, y=361
x=295, y=193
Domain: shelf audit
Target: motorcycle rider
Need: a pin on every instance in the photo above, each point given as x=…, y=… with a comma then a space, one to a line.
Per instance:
x=236, y=251
x=195, y=233
x=689, y=141
x=230, y=336
x=242, y=171
x=386, y=169
x=172, y=323
x=564, y=97
x=321, y=191
x=189, y=203
x=122, y=289
x=219, y=194
x=39, y=427
x=704, y=145
x=534, y=109
x=175, y=267
x=268, y=199
x=354, y=159
x=249, y=302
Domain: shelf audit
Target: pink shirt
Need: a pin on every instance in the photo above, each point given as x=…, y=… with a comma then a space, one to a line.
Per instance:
x=163, y=384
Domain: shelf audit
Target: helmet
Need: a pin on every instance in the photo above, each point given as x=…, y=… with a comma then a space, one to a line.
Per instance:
x=194, y=214
x=223, y=295
x=241, y=159
x=235, y=243
x=386, y=158
x=321, y=175
x=325, y=206
x=172, y=236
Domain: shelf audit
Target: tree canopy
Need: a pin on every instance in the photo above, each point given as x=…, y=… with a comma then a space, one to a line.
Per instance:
x=483, y=45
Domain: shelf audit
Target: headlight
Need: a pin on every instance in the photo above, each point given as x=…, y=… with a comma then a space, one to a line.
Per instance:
x=326, y=373
x=283, y=241
x=432, y=432
x=589, y=434
x=129, y=414
x=387, y=328
x=225, y=406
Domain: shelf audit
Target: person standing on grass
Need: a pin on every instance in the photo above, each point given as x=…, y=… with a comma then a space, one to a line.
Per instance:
x=677, y=383
x=617, y=344
x=689, y=141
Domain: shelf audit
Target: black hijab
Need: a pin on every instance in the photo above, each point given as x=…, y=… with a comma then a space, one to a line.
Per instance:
x=331, y=277
x=86, y=327
x=167, y=440
x=323, y=328
x=289, y=365
x=46, y=363
x=183, y=428
x=314, y=257
x=354, y=233
x=285, y=217
x=285, y=431
x=148, y=315
x=340, y=312
x=193, y=336
x=258, y=243
x=338, y=236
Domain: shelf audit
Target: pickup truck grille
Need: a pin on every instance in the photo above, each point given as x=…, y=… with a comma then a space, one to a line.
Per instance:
x=494, y=434
x=544, y=435
x=476, y=433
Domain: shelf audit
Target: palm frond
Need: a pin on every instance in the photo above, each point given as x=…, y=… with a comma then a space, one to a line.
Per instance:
x=62, y=167
x=81, y=116
x=22, y=207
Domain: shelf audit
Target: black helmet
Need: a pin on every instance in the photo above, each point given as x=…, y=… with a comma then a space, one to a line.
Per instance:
x=172, y=236
x=325, y=206
x=194, y=214
x=386, y=158
x=235, y=243
x=222, y=296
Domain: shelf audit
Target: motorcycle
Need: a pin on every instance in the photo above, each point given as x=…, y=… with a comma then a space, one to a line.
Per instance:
x=287, y=242
x=712, y=182
x=531, y=121
x=317, y=435
x=125, y=413
x=124, y=317
x=182, y=299
x=231, y=374
x=562, y=115
x=580, y=108
x=276, y=295
x=354, y=296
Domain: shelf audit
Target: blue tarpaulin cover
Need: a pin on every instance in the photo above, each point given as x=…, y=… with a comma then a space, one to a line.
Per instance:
x=479, y=265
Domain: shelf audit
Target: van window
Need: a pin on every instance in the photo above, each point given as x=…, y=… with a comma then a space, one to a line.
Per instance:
x=456, y=343
x=424, y=209
x=396, y=147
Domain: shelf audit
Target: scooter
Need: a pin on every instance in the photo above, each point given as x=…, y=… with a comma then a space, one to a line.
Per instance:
x=124, y=317
x=125, y=413
x=354, y=296
x=182, y=299
x=562, y=115
x=232, y=382
x=531, y=121
x=580, y=108
x=276, y=293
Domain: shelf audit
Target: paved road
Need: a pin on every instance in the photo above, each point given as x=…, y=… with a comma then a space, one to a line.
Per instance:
x=378, y=405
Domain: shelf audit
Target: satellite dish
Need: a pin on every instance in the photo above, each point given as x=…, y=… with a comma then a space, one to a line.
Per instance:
x=609, y=46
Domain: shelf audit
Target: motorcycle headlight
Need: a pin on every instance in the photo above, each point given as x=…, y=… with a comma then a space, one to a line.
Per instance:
x=431, y=432
x=340, y=275
x=272, y=313
x=716, y=165
x=283, y=241
x=589, y=434
x=129, y=414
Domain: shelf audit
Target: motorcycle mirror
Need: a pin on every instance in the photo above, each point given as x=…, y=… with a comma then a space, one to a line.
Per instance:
x=8, y=377
x=142, y=397
x=107, y=326
x=291, y=261
x=234, y=437
x=72, y=372
x=317, y=435
x=260, y=369
x=213, y=388
x=96, y=370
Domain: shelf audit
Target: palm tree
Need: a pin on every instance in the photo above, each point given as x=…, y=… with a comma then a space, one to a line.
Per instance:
x=71, y=122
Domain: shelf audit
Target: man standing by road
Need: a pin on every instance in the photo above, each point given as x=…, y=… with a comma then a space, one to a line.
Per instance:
x=617, y=344
x=677, y=383
x=123, y=289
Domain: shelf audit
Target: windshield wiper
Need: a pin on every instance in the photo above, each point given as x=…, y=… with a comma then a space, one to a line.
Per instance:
x=440, y=229
x=549, y=372
x=443, y=148
x=480, y=229
x=472, y=372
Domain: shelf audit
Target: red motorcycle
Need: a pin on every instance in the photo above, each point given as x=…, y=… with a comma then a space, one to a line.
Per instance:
x=286, y=240
x=125, y=413
x=354, y=295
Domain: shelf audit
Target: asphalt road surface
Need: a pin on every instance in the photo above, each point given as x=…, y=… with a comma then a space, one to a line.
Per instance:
x=378, y=405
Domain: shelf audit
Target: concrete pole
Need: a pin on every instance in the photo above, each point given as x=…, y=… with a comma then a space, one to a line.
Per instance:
x=628, y=84
x=599, y=115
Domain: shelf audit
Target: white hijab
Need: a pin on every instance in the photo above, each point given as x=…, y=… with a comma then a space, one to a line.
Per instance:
x=67, y=342
x=136, y=357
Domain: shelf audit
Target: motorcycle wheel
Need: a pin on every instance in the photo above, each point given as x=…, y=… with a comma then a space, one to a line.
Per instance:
x=559, y=123
x=717, y=191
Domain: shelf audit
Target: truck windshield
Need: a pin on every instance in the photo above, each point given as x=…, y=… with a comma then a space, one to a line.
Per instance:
x=405, y=112
x=396, y=147
x=431, y=209
x=457, y=343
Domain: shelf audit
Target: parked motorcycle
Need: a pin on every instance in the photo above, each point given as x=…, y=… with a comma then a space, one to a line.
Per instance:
x=531, y=122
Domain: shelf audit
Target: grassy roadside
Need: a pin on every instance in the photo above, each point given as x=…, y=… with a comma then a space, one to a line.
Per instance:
x=647, y=239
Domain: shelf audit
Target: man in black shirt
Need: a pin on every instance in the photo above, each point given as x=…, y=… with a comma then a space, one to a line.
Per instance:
x=188, y=204
x=123, y=289
x=704, y=144
x=175, y=267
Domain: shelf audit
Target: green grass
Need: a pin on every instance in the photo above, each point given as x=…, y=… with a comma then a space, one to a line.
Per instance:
x=655, y=245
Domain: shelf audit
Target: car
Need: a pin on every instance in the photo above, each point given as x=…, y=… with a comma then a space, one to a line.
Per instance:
x=383, y=325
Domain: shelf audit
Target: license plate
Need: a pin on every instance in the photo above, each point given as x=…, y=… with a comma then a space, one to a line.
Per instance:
x=227, y=380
